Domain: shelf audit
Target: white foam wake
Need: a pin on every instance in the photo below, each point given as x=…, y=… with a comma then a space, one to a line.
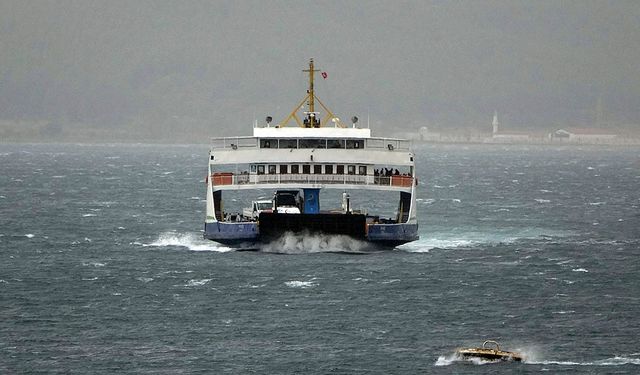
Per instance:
x=191, y=241
x=532, y=358
x=303, y=243
x=446, y=360
x=424, y=245
x=453, y=358
x=615, y=361
x=455, y=239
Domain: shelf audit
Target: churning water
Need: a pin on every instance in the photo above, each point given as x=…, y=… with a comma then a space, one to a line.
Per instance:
x=103, y=269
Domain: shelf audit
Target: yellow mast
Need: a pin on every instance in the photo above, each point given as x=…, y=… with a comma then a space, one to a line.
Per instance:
x=311, y=120
x=311, y=115
x=311, y=96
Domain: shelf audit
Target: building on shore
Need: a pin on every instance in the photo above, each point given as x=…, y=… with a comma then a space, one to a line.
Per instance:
x=583, y=135
x=496, y=135
x=499, y=136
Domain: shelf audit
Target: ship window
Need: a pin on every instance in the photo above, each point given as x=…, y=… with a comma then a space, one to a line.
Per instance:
x=295, y=169
x=339, y=169
x=362, y=170
x=306, y=169
x=288, y=143
x=261, y=169
x=355, y=143
x=284, y=169
x=268, y=143
x=328, y=169
x=317, y=169
x=253, y=168
x=313, y=143
x=272, y=169
x=351, y=169
x=335, y=143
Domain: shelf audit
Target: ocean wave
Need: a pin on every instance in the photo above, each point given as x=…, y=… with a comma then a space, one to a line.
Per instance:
x=300, y=284
x=191, y=241
x=427, y=201
x=197, y=282
x=93, y=264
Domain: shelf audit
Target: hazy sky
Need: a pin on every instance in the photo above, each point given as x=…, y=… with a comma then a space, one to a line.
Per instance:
x=210, y=67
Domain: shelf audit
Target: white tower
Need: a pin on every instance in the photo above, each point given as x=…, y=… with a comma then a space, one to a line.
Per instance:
x=495, y=122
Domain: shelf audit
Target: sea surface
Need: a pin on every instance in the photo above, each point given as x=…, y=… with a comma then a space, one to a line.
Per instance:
x=103, y=269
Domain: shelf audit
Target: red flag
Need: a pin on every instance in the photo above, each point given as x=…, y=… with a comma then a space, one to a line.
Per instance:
x=324, y=75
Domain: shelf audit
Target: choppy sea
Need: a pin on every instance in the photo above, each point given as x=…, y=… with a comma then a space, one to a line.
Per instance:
x=103, y=269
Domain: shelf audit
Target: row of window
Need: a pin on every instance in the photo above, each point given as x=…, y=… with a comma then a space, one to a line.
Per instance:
x=312, y=143
x=307, y=168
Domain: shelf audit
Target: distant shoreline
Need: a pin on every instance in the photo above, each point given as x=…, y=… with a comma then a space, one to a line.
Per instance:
x=630, y=143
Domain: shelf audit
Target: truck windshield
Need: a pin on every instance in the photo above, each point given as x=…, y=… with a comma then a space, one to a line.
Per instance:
x=285, y=200
x=263, y=205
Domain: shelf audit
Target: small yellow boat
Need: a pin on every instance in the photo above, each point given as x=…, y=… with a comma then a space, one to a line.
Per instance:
x=490, y=354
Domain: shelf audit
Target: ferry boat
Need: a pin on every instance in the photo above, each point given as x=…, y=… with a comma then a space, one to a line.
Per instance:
x=489, y=354
x=299, y=162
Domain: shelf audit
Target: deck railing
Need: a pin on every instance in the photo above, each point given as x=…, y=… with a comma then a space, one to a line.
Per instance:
x=219, y=179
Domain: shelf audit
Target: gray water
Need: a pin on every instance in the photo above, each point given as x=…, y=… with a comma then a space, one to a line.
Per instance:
x=103, y=269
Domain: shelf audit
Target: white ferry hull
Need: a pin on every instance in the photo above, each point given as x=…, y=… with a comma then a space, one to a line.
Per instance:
x=271, y=227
